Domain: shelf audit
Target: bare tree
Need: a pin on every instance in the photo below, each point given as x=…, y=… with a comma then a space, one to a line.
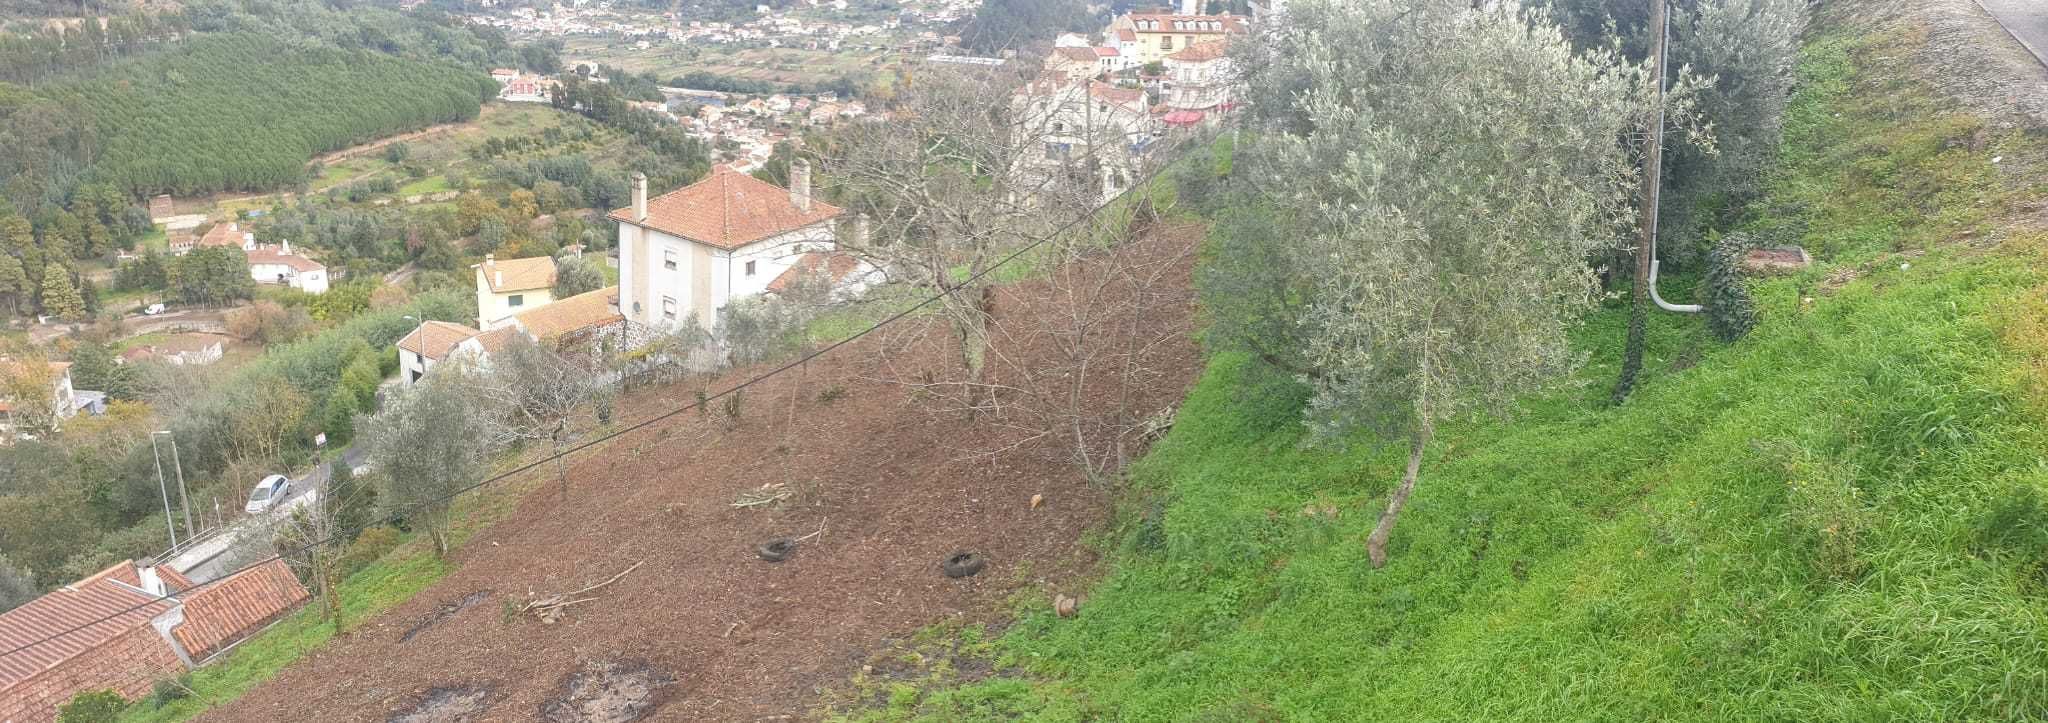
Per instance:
x=956, y=179
x=531, y=393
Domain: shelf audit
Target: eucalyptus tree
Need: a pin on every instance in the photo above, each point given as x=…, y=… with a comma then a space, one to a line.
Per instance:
x=1447, y=199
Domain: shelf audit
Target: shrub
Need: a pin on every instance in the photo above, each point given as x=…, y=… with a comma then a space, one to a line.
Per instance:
x=369, y=547
x=167, y=690
x=93, y=706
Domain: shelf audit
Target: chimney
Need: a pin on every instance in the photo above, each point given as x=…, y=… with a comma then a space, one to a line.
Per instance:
x=800, y=184
x=639, y=196
x=497, y=275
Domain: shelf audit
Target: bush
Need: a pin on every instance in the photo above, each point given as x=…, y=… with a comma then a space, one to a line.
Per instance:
x=167, y=690
x=93, y=706
x=368, y=548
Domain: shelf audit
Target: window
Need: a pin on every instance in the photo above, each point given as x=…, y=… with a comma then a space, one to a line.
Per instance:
x=750, y=268
x=668, y=307
x=1165, y=42
x=1059, y=127
x=668, y=260
x=515, y=300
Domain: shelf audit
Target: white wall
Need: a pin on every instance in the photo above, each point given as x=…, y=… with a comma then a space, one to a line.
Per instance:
x=412, y=365
x=705, y=278
x=771, y=257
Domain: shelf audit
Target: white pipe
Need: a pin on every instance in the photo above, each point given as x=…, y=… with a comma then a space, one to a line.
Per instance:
x=1657, y=184
x=1661, y=303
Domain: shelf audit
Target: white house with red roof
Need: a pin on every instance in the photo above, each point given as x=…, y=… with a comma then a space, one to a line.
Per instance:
x=1155, y=34
x=688, y=253
x=1201, y=84
x=1098, y=124
x=277, y=264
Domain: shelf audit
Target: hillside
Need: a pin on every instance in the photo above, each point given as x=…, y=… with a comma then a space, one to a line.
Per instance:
x=1839, y=517
x=231, y=111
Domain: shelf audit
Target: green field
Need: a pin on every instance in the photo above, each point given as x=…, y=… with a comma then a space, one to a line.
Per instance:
x=1840, y=517
x=776, y=65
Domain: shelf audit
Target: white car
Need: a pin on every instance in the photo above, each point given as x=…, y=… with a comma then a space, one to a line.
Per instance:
x=268, y=493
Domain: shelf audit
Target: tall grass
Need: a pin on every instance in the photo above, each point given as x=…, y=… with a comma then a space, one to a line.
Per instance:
x=1837, y=518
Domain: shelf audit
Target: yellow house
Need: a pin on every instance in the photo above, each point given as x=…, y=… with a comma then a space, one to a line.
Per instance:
x=504, y=288
x=1160, y=34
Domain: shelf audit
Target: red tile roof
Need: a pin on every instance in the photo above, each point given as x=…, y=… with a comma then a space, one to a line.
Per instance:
x=227, y=233
x=1201, y=52
x=273, y=255
x=582, y=311
x=1079, y=55
x=727, y=210
x=228, y=609
x=1171, y=23
x=71, y=621
x=1119, y=96
x=434, y=339
x=536, y=272
x=837, y=266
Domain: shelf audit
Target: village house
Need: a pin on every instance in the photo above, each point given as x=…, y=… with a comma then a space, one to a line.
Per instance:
x=181, y=350
x=1073, y=64
x=1155, y=35
x=687, y=253
x=504, y=288
x=225, y=233
x=128, y=626
x=431, y=343
x=277, y=264
x=1091, y=123
x=1199, y=84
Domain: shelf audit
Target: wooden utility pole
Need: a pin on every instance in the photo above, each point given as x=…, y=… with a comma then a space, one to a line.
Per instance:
x=1653, y=176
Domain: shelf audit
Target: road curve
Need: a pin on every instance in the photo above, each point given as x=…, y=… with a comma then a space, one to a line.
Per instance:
x=2027, y=20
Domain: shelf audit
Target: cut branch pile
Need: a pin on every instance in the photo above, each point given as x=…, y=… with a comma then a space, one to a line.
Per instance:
x=549, y=609
x=768, y=494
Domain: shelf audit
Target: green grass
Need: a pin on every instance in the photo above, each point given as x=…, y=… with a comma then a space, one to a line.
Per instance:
x=1823, y=521
x=376, y=588
x=424, y=186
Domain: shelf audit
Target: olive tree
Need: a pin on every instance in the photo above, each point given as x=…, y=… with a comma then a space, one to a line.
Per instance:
x=427, y=443
x=1448, y=201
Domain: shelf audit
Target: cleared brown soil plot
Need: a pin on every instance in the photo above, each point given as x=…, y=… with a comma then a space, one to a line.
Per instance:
x=704, y=629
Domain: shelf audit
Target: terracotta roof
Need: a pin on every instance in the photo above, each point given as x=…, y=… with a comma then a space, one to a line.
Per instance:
x=273, y=255
x=225, y=610
x=1106, y=52
x=1113, y=94
x=495, y=340
x=837, y=265
x=94, y=610
x=1079, y=55
x=582, y=311
x=727, y=210
x=534, y=272
x=434, y=339
x=226, y=233
x=1126, y=34
x=1201, y=52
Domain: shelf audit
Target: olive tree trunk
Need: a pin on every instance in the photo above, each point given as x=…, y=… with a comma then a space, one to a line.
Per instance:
x=1376, y=545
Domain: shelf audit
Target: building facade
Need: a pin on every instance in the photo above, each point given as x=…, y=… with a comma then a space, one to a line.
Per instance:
x=507, y=287
x=688, y=253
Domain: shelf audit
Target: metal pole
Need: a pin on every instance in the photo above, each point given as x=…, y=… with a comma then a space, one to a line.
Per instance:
x=184, y=500
x=169, y=524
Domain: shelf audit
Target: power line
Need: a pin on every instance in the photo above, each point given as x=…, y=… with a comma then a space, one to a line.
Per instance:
x=1144, y=182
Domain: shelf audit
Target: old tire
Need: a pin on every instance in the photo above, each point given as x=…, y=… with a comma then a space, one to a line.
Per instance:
x=776, y=550
x=963, y=564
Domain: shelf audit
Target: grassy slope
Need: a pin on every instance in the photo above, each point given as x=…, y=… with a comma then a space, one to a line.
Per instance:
x=1791, y=528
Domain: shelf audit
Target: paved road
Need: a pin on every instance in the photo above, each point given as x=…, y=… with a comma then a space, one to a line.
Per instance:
x=2025, y=19
x=210, y=559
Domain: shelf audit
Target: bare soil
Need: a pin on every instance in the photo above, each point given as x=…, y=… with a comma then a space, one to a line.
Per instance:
x=1969, y=57
x=892, y=486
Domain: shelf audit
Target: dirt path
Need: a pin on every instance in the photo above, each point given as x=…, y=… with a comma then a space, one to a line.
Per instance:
x=703, y=630
x=379, y=144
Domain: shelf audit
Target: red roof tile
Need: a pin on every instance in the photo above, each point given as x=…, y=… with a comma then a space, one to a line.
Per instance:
x=434, y=339
x=1200, y=52
x=837, y=266
x=71, y=621
x=230, y=608
x=727, y=210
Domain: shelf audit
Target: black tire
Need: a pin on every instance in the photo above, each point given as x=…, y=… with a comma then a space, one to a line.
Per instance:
x=776, y=550
x=963, y=564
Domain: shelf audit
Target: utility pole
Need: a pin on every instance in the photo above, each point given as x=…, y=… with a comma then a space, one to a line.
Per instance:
x=184, y=500
x=1653, y=170
x=169, y=524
